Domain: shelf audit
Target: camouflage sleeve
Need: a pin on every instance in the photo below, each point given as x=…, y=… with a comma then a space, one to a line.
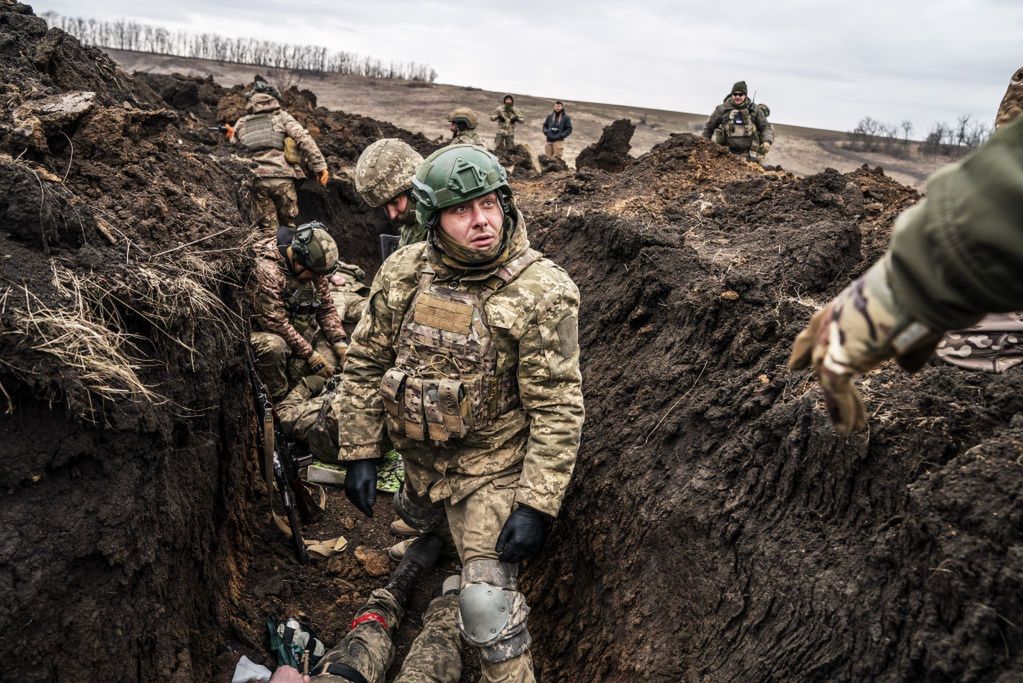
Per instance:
x=550, y=387
x=764, y=127
x=712, y=122
x=326, y=313
x=370, y=355
x=496, y=114
x=959, y=253
x=270, y=312
x=517, y=116
x=310, y=151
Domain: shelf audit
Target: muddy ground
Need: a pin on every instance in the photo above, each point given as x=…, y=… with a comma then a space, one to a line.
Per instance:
x=716, y=527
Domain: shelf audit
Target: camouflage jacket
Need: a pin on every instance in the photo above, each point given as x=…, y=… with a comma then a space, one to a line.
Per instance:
x=468, y=137
x=958, y=254
x=270, y=163
x=276, y=286
x=534, y=320
x=758, y=129
x=506, y=118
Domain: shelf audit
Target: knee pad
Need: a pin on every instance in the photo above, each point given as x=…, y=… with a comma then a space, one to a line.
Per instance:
x=417, y=516
x=491, y=613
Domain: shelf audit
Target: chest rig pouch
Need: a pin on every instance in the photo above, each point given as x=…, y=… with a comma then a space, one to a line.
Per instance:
x=740, y=124
x=445, y=382
x=300, y=301
x=258, y=133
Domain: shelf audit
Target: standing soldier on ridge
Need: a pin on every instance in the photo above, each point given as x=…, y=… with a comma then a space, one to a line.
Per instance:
x=468, y=353
x=506, y=116
x=741, y=125
x=278, y=145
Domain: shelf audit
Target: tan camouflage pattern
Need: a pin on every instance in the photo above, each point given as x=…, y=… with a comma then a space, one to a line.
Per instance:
x=270, y=358
x=475, y=522
x=271, y=163
x=385, y=169
x=308, y=416
x=995, y=344
x=466, y=114
x=468, y=137
x=274, y=203
x=722, y=128
x=435, y=655
x=504, y=141
x=369, y=649
x=277, y=290
x=506, y=118
x=533, y=320
x=1012, y=103
x=349, y=291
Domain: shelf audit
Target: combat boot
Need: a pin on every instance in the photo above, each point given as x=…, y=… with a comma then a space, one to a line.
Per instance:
x=420, y=555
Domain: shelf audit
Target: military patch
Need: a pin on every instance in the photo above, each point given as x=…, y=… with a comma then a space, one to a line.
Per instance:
x=443, y=314
x=568, y=335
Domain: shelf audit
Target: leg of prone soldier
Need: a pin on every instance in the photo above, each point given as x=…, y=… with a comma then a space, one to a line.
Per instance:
x=367, y=651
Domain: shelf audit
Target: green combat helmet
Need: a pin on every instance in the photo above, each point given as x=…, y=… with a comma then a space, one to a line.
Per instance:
x=464, y=116
x=455, y=174
x=262, y=87
x=314, y=248
x=385, y=169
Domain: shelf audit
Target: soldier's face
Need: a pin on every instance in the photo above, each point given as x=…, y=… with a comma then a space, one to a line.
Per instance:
x=397, y=207
x=738, y=97
x=452, y=126
x=558, y=107
x=475, y=224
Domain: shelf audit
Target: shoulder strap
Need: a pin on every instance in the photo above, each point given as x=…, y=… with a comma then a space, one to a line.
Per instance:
x=512, y=269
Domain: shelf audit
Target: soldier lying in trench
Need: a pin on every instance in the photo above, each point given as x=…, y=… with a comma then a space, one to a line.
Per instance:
x=367, y=651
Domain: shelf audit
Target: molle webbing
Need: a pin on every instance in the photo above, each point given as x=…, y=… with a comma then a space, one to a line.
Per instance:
x=258, y=133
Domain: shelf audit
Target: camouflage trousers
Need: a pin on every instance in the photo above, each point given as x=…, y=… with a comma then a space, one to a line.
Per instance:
x=474, y=523
x=309, y=416
x=277, y=367
x=504, y=141
x=274, y=203
x=369, y=649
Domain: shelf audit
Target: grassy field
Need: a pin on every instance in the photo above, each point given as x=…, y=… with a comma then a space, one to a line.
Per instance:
x=423, y=107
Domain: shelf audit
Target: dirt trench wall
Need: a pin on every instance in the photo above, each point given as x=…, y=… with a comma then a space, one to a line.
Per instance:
x=717, y=528
x=127, y=433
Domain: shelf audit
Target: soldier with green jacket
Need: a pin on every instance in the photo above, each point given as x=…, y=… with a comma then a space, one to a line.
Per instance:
x=383, y=177
x=462, y=122
x=277, y=144
x=468, y=354
x=506, y=116
x=741, y=125
x=955, y=256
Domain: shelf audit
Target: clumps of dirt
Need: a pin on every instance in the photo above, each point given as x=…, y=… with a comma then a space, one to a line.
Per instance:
x=611, y=152
x=717, y=528
x=552, y=164
x=518, y=161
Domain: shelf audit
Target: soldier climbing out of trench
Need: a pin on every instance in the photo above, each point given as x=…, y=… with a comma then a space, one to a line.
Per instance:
x=955, y=256
x=279, y=146
x=365, y=654
x=468, y=354
x=740, y=124
x=297, y=330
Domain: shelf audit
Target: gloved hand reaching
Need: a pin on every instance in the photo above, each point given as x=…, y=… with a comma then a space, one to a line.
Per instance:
x=523, y=534
x=361, y=484
x=318, y=365
x=861, y=328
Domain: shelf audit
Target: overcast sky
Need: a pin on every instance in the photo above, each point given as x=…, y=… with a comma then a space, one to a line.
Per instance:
x=815, y=63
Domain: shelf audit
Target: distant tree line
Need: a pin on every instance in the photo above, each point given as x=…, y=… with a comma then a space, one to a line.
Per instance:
x=131, y=35
x=871, y=135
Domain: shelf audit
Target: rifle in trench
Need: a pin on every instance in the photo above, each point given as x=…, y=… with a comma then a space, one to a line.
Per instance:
x=281, y=467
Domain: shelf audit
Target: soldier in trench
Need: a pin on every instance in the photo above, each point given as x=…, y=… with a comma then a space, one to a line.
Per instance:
x=279, y=146
x=953, y=257
x=383, y=178
x=740, y=125
x=467, y=353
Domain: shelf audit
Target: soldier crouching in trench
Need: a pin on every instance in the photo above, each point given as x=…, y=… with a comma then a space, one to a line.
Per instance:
x=468, y=352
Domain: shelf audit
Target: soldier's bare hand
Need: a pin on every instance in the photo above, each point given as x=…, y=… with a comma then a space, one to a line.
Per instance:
x=341, y=351
x=323, y=177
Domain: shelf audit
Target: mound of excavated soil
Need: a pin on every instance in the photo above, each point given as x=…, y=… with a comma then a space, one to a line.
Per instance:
x=717, y=528
x=611, y=151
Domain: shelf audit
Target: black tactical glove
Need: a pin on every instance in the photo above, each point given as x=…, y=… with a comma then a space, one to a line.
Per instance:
x=523, y=534
x=361, y=484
